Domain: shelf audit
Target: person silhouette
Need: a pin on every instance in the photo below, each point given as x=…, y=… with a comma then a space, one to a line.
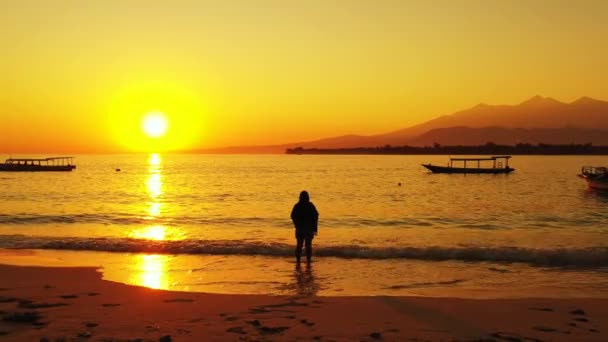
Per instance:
x=305, y=218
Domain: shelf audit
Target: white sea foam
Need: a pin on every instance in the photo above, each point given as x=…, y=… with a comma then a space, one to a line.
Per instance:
x=556, y=257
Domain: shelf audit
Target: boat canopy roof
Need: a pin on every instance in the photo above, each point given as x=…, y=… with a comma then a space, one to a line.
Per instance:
x=476, y=159
x=35, y=159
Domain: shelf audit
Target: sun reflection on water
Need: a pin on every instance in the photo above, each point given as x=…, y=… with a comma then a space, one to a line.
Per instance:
x=151, y=271
x=150, y=233
x=154, y=210
x=155, y=185
x=154, y=159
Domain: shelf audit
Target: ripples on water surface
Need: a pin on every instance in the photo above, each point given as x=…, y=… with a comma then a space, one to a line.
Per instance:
x=238, y=206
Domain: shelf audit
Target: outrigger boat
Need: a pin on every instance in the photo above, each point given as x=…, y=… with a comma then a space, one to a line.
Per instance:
x=32, y=165
x=500, y=164
x=596, y=176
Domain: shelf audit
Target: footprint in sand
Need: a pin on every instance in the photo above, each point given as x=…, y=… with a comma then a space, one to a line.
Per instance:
x=29, y=305
x=31, y=317
x=506, y=336
x=152, y=328
x=307, y=322
x=376, y=335
x=178, y=300
x=7, y=299
x=69, y=296
x=282, y=305
x=258, y=310
x=266, y=330
x=236, y=330
x=85, y=334
x=255, y=323
x=578, y=312
x=544, y=329
x=272, y=330
x=542, y=309
x=166, y=338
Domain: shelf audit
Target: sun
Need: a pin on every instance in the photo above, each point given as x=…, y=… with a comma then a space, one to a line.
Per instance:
x=154, y=124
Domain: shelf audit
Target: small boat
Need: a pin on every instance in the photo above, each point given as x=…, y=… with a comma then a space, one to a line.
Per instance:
x=499, y=164
x=34, y=165
x=596, y=176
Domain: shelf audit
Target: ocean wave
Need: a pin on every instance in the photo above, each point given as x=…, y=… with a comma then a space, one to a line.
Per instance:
x=185, y=220
x=126, y=219
x=426, y=284
x=557, y=257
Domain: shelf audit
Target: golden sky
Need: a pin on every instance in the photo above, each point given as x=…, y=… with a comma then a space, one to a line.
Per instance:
x=77, y=76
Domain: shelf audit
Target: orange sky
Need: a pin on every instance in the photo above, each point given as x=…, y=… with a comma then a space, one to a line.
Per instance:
x=77, y=76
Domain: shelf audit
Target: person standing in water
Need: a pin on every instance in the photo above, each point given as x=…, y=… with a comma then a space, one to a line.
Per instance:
x=305, y=218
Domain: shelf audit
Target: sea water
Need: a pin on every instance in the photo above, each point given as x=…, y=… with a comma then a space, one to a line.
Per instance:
x=220, y=223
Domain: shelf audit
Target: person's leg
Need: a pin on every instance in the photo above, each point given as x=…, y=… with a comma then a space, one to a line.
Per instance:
x=308, y=248
x=299, y=249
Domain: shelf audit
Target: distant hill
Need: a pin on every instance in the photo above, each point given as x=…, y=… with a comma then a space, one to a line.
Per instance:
x=538, y=119
x=536, y=112
x=510, y=136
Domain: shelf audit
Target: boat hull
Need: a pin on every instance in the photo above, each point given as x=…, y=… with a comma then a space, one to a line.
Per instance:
x=35, y=168
x=447, y=169
x=597, y=184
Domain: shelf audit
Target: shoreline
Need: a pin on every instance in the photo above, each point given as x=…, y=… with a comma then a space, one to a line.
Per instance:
x=326, y=277
x=74, y=303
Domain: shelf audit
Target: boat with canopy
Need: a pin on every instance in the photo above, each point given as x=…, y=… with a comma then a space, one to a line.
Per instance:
x=596, y=176
x=494, y=165
x=33, y=165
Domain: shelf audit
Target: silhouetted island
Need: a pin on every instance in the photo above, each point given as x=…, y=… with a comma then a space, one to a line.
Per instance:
x=488, y=148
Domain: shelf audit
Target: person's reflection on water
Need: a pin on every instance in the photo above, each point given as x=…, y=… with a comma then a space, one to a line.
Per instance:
x=305, y=282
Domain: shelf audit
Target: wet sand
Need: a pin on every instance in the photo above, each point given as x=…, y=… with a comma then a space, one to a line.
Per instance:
x=75, y=304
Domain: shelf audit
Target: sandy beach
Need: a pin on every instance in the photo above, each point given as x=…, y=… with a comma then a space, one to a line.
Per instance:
x=75, y=304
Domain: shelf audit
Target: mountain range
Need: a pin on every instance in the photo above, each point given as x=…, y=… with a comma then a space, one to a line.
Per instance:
x=536, y=120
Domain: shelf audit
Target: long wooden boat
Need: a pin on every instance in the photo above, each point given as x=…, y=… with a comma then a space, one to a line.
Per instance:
x=596, y=177
x=35, y=165
x=499, y=164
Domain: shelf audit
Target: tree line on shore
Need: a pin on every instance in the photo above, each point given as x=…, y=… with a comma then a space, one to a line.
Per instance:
x=488, y=148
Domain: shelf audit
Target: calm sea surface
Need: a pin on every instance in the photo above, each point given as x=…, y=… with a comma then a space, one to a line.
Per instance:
x=221, y=224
